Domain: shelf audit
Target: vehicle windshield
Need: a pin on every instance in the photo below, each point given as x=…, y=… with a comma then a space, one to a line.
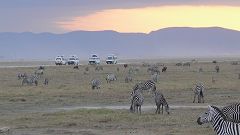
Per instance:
x=71, y=58
x=109, y=58
x=94, y=56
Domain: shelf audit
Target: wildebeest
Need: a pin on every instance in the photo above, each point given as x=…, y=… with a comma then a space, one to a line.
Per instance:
x=164, y=69
x=125, y=65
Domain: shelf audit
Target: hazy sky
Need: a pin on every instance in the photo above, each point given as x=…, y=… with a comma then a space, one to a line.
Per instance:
x=60, y=16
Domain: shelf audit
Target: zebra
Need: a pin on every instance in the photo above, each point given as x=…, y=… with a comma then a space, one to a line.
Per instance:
x=30, y=80
x=217, y=68
x=160, y=101
x=46, y=81
x=232, y=112
x=137, y=100
x=21, y=76
x=146, y=85
x=153, y=70
x=95, y=83
x=155, y=77
x=128, y=79
x=111, y=77
x=198, y=91
x=218, y=120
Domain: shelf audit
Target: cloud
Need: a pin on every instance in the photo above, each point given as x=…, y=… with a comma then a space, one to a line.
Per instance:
x=153, y=18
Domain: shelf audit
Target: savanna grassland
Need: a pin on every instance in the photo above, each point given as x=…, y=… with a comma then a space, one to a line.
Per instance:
x=33, y=110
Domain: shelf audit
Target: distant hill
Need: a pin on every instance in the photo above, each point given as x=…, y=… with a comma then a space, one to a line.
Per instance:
x=168, y=42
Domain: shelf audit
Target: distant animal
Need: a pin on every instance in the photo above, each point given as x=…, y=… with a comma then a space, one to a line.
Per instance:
x=98, y=68
x=160, y=101
x=217, y=68
x=200, y=70
x=111, y=77
x=46, y=81
x=146, y=85
x=198, y=91
x=95, y=83
x=76, y=67
x=218, y=120
x=214, y=61
x=125, y=65
x=137, y=100
x=21, y=76
x=178, y=64
x=41, y=68
x=188, y=64
x=118, y=69
x=213, y=80
x=33, y=79
x=38, y=72
x=153, y=70
x=164, y=69
x=128, y=79
x=232, y=112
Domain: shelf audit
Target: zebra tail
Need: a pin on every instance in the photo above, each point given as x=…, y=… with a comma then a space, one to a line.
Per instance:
x=201, y=94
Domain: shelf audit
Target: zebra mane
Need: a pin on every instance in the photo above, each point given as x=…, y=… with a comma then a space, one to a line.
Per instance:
x=219, y=111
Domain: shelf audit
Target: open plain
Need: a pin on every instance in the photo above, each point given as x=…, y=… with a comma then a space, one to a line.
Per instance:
x=68, y=105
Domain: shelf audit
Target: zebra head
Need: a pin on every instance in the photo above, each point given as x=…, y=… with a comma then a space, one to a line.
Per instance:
x=210, y=115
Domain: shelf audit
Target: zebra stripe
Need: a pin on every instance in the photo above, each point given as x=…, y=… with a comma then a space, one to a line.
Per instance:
x=198, y=91
x=95, y=83
x=160, y=101
x=137, y=100
x=218, y=120
x=232, y=112
x=146, y=85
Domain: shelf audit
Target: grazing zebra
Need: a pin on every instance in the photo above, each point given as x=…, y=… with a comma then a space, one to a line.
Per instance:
x=95, y=83
x=153, y=70
x=218, y=120
x=155, y=77
x=111, y=77
x=198, y=91
x=137, y=100
x=232, y=112
x=128, y=79
x=164, y=69
x=46, y=81
x=41, y=68
x=160, y=101
x=30, y=80
x=146, y=85
x=217, y=68
x=38, y=72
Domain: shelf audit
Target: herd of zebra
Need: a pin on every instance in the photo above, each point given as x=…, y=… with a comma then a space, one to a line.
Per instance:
x=33, y=79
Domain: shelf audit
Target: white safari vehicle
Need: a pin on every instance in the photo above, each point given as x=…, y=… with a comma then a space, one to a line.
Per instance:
x=60, y=60
x=94, y=59
x=73, y=60
x=111, y=59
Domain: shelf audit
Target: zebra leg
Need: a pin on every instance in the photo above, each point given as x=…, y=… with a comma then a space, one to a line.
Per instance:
x=156, y=110
x=162, y=109
x=140, y=110
x=203, y=99
x=194, y=98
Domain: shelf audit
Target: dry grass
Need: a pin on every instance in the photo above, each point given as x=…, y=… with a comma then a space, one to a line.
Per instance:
x=26, y=108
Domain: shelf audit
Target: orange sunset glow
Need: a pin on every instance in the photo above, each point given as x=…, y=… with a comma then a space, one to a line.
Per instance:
x=153, y=18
